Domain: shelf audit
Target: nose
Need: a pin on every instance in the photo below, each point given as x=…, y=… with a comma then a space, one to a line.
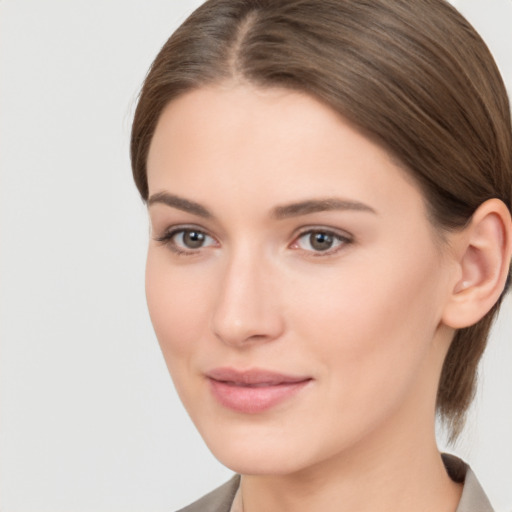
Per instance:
x=247, y=309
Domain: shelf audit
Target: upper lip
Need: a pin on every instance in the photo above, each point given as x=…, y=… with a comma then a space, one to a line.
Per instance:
x=254, y=376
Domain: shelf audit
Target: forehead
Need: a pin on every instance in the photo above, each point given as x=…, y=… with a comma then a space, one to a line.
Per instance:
x=246, y=115
x=272, y=143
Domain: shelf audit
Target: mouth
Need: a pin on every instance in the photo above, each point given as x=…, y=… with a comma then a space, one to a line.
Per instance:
x=253, y=391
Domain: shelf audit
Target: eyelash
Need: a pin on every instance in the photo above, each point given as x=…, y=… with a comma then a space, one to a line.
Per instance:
x=343, y=240
x=167, y=240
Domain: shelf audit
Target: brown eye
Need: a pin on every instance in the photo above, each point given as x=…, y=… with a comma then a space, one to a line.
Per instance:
x=193, y=239
x=188, y=240
x=319, y=241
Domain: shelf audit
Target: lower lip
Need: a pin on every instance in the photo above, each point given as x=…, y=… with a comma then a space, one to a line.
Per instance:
x=253, y=400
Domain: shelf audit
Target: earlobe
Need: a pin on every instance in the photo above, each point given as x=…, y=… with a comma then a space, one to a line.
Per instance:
x=484, y=257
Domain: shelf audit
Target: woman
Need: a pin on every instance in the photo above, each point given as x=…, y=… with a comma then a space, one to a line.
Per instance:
x=329, y=185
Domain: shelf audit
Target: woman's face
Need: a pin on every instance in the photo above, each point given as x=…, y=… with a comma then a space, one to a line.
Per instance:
x=294, y=281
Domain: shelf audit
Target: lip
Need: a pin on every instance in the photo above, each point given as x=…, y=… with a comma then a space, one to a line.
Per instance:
x=255, y=390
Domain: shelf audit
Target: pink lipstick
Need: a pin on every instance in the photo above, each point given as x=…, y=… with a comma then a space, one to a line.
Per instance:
x=253, y=391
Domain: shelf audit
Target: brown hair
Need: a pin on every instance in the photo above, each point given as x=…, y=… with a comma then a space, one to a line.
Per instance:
x=412, y=74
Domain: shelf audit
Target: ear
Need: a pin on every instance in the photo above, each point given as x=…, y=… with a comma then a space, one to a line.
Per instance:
x=483, y=250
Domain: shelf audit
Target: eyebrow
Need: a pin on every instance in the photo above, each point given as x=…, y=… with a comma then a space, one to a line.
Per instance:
x=180, y=203
x=279, y=212
x=319, y=205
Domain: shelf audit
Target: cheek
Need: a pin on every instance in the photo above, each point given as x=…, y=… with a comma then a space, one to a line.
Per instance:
x=177, y=304
x=371, y=326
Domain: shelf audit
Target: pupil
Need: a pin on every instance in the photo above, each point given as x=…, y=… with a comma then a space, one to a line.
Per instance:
x=321, y=241
x=193, y=239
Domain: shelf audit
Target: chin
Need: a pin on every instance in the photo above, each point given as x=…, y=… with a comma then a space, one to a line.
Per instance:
x=259, y=450
x=257, y=461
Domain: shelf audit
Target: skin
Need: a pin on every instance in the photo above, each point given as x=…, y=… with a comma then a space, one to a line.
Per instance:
x=363, y=320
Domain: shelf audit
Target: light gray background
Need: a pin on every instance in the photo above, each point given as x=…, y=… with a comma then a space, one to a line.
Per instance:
x=88, y=417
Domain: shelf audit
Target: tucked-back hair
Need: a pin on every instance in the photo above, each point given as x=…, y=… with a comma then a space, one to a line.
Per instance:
x=413, y=75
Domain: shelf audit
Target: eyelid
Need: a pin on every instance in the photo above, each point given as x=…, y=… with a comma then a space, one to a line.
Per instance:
x=166, y=239
x=344, y=238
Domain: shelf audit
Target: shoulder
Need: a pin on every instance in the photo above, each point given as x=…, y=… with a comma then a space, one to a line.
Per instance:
x=219, y=500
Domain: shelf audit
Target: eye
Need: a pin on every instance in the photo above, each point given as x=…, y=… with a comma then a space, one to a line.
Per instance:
x=187, y=240
x=191, y=239
x=320, y=241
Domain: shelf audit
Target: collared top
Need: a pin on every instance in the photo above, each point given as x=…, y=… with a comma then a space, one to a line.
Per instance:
x=227, y=498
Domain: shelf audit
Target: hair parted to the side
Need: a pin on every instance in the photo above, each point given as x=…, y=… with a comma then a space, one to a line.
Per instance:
x=412, y=74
